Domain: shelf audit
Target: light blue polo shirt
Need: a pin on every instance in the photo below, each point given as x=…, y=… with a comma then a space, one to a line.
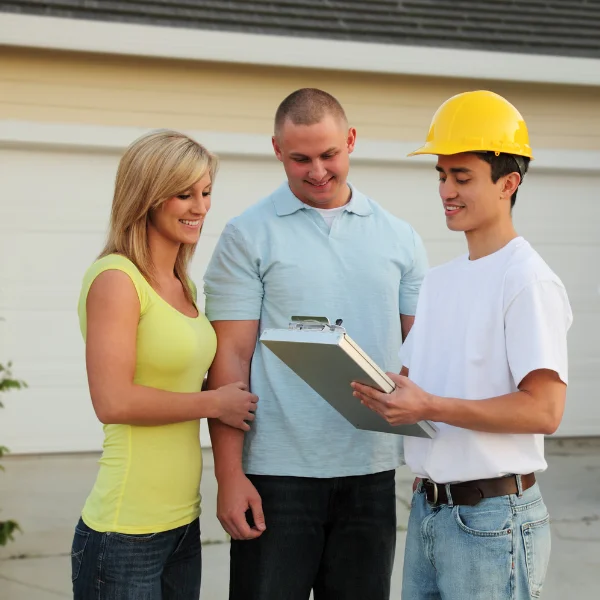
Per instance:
x=280, y=259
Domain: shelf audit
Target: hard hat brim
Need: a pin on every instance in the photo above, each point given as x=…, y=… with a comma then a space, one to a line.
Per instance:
x=450, y=149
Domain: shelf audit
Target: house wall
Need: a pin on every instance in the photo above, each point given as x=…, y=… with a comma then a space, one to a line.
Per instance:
x=116, y=90
x=65, y=119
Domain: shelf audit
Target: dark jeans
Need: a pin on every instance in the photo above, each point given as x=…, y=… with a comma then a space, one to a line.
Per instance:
x=155, y=566
x=334, y=536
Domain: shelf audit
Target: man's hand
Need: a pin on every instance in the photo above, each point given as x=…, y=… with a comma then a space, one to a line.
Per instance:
x=407, y=404
x=235, y=496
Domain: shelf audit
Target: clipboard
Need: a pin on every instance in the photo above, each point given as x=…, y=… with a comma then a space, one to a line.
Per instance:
x=328, y=360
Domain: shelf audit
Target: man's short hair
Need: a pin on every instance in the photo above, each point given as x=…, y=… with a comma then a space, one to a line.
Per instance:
x=504, y=164
x=308, y=106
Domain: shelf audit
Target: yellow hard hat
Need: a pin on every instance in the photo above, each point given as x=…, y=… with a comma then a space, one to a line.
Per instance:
x=477, y=122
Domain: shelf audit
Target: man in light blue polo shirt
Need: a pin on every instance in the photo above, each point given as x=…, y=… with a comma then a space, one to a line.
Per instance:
x=309, y=500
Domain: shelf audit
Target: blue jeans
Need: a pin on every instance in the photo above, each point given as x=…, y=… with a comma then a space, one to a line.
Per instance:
x=336, y=536
x=496, y=550
x=117, y=566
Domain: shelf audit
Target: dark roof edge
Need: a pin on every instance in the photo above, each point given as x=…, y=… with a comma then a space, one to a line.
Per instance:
x=299, y=52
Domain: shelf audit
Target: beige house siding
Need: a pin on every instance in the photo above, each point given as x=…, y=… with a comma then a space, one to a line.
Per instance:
x=111, y=90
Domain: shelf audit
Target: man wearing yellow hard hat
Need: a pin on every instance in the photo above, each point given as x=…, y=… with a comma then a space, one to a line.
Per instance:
x=486, y=360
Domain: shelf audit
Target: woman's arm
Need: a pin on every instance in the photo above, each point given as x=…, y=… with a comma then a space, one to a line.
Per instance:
x=113, y=311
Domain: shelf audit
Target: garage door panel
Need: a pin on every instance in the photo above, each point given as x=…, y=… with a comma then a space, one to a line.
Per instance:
x=49, y=269
x=50, y=420
x=577, y=266
x=238, y=185
x=410, y=193
x=48, y=240
x=584, y=350
x=72, y=192
x=559, y=208
x=47, y=343
x=582, y=411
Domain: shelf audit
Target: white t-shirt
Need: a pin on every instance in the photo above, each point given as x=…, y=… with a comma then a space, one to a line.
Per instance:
x=480, y=327
x=330, y=214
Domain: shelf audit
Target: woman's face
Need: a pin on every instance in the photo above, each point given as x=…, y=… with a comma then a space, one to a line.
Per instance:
x=179, y=219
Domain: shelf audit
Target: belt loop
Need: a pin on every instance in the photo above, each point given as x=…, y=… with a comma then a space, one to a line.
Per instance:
x=449, y=495
x=519, y=486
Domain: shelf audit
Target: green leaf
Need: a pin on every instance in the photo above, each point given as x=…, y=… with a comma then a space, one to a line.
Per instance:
x=7, y=529
x=7, y=382
x=11, y=384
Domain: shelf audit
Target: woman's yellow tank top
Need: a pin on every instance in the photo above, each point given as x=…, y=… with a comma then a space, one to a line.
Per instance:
x=149, y=477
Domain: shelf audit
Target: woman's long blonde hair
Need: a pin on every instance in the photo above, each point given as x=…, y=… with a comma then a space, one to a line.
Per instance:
x=156, y=167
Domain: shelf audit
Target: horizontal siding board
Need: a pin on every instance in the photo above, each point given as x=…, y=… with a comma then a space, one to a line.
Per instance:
x=66, y=87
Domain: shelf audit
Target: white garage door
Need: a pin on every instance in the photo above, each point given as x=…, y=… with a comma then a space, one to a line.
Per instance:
x=54, y=209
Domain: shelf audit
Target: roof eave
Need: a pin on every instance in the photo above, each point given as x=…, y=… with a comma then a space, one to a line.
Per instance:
x=279, y=51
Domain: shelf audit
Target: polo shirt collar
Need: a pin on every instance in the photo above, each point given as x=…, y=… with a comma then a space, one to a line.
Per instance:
x=286, y=203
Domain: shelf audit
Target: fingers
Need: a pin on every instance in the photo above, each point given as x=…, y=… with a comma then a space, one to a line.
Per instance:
x=229, y=526
x=375, y=406
x=240, y=425
x=379, y=405
x=235, y=525
x=257, y=514
x=399, y=380
x=369, y=392
x=242, y=528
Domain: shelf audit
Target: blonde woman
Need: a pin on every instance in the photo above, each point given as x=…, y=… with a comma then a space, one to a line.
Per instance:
x=148, y=348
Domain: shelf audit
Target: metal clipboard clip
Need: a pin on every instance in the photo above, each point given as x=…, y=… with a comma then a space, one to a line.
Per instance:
x=315, y=324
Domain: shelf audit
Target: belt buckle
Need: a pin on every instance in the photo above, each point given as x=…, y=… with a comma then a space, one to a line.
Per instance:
x=435, y=493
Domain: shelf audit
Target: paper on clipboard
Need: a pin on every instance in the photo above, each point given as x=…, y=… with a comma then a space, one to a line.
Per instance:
x=327, y=359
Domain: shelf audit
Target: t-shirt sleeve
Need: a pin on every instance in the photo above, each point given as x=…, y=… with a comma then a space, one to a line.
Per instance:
x=410, y=284
x=536, y=324
x=232, y=285
x=111, y=263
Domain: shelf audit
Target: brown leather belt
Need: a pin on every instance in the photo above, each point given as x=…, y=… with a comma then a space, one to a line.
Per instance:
x=472, y=492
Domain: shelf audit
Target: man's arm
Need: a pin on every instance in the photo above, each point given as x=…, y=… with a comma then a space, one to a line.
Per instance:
x=537, y=407
x=406, y=323
x=536, y=322
x=236, y=494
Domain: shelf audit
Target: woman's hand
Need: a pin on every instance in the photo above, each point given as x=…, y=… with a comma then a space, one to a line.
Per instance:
x=235, y=405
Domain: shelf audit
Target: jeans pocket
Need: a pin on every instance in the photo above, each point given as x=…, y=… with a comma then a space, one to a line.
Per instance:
x=79, y=542
x=486, y=519
x=134, y=538
x=536, y=539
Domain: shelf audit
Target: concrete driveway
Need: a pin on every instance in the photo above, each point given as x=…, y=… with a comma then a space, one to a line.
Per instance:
x=45, y=494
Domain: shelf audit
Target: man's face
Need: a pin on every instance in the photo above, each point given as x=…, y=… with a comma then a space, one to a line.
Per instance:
x=471, y=199
x=316, y=159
